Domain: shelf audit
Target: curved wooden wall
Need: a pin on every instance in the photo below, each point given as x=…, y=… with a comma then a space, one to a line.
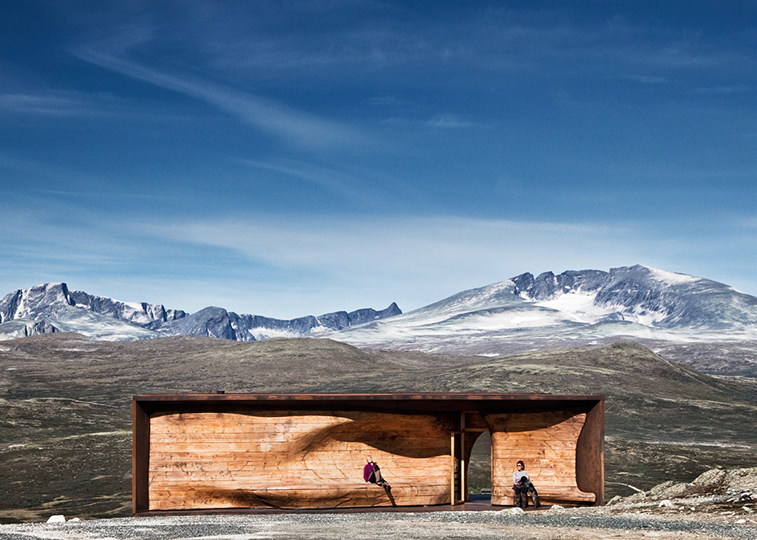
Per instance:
x=290, y=459
x=547, y=443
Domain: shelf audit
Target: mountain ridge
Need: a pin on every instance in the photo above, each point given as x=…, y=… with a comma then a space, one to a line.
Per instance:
x=588, y=308
x=649, y=297
x=526, y=312
x=53, y=307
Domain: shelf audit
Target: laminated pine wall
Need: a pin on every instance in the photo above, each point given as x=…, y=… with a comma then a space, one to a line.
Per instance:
x=208, y=452
x=546, y=442
x=288, y=459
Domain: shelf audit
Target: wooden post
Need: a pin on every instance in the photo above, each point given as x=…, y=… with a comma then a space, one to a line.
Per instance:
x=463, y=491
x=452, y=467
x=590, y=454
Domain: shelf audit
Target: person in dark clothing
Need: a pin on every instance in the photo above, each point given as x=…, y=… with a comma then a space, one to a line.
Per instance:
x=523, y=487
x=372, y=474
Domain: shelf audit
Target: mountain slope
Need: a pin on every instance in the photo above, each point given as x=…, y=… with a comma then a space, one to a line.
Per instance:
x=643, y=295
x=52, y=307
x=588, y=307
x=573, y=308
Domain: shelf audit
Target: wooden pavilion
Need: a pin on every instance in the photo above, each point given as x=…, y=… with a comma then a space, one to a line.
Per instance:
x=240, y=451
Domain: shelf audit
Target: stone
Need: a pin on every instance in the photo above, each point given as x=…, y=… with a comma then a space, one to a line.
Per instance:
x=515, y=511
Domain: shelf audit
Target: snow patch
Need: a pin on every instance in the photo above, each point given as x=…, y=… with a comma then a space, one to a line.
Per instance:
x=671, y=278
x=647, y=318
x=578, y=307
x=261, y=333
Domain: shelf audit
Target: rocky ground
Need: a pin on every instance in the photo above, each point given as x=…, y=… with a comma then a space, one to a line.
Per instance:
x=65, y=413
x=717, y=504
x=564, y=524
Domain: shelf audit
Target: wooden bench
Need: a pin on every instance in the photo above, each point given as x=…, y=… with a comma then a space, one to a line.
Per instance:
x=325, y=495
x=548, y=494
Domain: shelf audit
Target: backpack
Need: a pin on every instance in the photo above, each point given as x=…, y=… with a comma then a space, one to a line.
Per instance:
x=376, y=474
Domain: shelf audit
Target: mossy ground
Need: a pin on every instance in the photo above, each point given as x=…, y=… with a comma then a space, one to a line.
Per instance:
x=65, y=424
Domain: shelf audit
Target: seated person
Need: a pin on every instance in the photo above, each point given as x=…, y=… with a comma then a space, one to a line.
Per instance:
x=522, y=487
x=372, y=473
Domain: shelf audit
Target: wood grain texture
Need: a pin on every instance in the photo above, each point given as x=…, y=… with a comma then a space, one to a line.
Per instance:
x=226, y=451
x=546, y=442
x=288, y=459
x=590, y=453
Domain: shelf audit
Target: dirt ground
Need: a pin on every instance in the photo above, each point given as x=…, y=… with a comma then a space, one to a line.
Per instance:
x=567, y=524
x=718, y=504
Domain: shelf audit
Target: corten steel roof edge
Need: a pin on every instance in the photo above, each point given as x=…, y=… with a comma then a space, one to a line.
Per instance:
x=390, y=402
x=419, y=396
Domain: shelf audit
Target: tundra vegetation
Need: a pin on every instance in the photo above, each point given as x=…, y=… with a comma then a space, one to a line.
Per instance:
x=65, y=411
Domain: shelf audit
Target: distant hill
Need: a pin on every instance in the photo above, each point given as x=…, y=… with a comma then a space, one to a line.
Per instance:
x=65, y=434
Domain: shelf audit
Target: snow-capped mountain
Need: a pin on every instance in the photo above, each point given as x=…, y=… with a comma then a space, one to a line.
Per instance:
x=575, y=307
x=642, y=295
x=525, y=312
x=217, y=322
x=52, y=307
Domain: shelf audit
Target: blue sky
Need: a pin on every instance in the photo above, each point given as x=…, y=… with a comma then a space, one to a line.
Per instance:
x=292, y=158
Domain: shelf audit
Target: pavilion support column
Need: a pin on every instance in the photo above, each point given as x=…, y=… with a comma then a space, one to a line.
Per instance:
x=452, y=468
x=140, y=459
x=463, y=488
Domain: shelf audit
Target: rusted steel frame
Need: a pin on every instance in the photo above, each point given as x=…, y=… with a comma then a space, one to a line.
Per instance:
x=433, y=396
x=408, y=403
x=140, y=458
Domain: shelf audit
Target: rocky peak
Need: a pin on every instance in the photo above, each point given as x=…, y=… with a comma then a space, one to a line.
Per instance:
x=548, y=285
x=36, y=302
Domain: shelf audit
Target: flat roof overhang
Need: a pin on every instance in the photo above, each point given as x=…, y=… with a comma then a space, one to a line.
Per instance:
x=389, y=402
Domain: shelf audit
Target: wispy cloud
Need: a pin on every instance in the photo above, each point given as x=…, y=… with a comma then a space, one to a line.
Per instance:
x=611, y=114
x=748, y=223
x=345, y=185
x=439, y=121
x=273, y=117
x=450, y=121
x=411, y=260
x=286, y=266
x=56, y=103
x=735, y=89
x=647, y=79
x=404, y=244
x=78, y=186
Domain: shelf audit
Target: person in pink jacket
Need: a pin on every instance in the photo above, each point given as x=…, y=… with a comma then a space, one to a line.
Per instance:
x=372, y=474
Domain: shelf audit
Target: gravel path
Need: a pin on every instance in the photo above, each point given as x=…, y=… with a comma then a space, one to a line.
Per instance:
x=546, y=525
